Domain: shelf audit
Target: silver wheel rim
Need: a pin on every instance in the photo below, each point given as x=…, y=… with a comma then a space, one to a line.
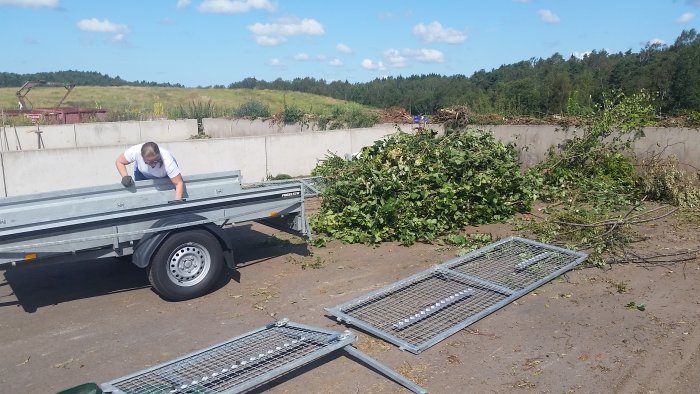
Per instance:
x=189, y=264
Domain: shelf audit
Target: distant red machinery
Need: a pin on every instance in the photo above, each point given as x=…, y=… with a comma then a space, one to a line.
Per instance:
x=55, y=114
x=22, y=92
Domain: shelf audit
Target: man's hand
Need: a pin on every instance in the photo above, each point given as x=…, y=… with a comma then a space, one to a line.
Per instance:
x=127, y=181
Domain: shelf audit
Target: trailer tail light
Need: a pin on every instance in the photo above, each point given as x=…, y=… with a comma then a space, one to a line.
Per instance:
x=30, y=256
x=274, y=214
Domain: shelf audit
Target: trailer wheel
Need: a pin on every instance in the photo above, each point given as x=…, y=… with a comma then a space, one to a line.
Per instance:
x=186, y=265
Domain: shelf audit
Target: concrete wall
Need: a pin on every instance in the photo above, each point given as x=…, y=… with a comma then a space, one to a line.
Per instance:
x=27, y=137
x=95, y=134
x=214, y=155
x=228, y=128
x=33, y=171
x=296, y=154
x=107, y=133
x=537, y=139
x=679, y=142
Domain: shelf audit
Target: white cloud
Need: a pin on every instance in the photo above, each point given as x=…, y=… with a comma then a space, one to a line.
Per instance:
x=336, y=62
x=372, y=65
x=401, y=57
x=321, y=57
x=270, y=41
x=301, y=56
x=306, y=26
x=686, y=17
x=183, y=3
x=430, y=56
x=395, y=58
x=343, y=48
x=548, y=16
x=656, y=41
x=276, y=62
x=235, y=7
x=580, y=55
x=434, y=32
x=271, y=34
x=104, y=26
x=30, y=3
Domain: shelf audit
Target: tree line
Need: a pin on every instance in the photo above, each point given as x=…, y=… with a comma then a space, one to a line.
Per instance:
x=535, y=87
x=84, y=78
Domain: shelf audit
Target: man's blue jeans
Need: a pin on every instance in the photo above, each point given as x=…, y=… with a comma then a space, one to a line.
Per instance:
x=138, y=176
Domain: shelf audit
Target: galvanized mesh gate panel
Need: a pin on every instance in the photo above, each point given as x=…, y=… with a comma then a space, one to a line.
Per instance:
x=417, y=312
x=245, y=362
x=236, y=365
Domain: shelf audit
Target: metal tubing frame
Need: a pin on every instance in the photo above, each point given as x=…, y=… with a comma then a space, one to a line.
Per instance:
x=383, y=369
x=338, y=311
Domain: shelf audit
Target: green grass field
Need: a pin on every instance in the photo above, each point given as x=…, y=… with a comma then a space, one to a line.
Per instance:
x=146, y=99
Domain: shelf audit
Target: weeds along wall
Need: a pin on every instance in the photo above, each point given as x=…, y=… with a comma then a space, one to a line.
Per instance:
x=257, y=156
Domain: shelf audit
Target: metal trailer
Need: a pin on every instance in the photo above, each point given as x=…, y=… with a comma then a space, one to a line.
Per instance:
x=182, y=243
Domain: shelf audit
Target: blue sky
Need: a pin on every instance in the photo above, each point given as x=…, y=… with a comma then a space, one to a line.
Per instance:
x=212, y=42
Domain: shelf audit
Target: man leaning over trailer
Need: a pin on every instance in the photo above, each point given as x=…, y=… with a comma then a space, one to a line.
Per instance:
x=151, y=162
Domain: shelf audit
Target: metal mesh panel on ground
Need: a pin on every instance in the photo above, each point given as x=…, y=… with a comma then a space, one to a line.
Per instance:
x=515, y=264
x=417, y=312
x=236, y=365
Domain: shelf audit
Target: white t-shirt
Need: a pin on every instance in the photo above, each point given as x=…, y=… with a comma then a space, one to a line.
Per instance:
x=168, y=167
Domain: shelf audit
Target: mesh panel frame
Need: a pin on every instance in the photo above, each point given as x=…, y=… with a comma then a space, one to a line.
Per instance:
x=488, y=279
x=236, y=365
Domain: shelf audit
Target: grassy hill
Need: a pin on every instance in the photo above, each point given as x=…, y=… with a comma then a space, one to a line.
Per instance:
x=162, y=99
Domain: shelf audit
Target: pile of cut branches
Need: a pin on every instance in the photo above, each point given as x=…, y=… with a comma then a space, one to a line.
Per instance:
x=417, y=187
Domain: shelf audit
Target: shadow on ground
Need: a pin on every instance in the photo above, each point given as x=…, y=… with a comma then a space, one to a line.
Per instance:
x=35, y=286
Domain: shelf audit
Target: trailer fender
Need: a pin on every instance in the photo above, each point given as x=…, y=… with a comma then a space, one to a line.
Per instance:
x=149, y=244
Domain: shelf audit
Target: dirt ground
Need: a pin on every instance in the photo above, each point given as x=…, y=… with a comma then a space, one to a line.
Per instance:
x=63, y=325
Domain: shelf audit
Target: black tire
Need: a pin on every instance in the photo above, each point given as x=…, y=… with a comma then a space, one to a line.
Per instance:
x=187, y=265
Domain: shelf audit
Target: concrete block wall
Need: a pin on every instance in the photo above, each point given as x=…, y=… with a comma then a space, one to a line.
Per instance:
x=228, y=128
x=27, y=137
x=537, y=139
x=167, y=130
x=296, y=154
x=215, y=155
x=681, y=143
x=107, y=133
x=34, y=171
x=95, y=134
